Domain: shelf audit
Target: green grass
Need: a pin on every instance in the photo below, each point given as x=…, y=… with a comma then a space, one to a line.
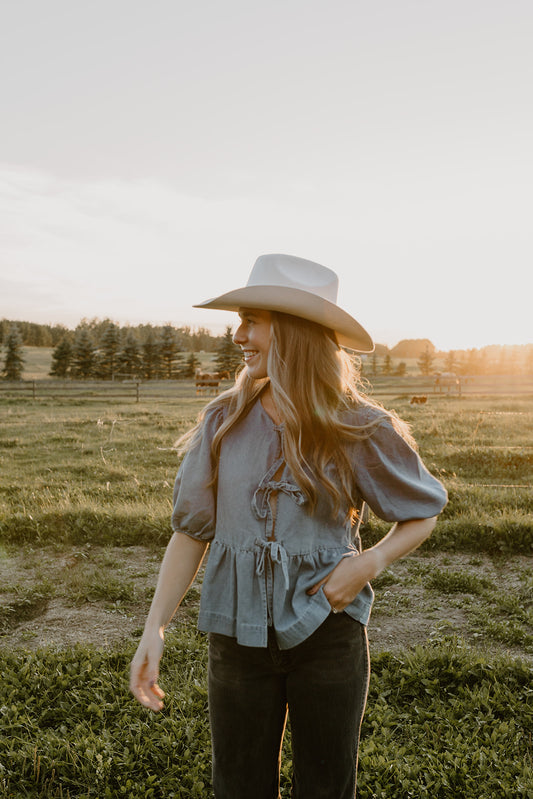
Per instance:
x=440, y=722
x=79, y=733
x=447, y=582
x=443, y=720
x=81, y=473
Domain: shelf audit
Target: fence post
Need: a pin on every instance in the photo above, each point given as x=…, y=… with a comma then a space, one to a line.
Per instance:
x=136, y=392
x=33, y=389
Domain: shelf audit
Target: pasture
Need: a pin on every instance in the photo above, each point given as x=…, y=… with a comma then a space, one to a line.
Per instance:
x=85, y=498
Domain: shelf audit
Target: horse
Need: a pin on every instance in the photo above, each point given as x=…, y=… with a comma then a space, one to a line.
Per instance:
x=208, y=381
x=448, y=381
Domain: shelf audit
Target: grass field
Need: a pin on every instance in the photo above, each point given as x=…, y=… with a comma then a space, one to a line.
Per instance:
x=84, y=505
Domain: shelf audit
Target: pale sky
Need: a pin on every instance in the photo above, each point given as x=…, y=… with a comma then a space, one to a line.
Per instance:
x=150, y=151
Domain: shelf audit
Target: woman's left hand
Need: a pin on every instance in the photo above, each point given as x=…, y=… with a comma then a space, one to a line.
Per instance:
x=347, y=579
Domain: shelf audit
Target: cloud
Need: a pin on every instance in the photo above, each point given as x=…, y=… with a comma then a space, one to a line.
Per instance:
x=121, y=248
x=416, y=253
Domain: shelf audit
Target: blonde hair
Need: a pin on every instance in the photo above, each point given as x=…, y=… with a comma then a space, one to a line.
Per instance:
x=313, y=382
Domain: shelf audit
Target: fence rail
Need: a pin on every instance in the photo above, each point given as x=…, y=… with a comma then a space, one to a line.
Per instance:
x=105, y=389
x=138, y=390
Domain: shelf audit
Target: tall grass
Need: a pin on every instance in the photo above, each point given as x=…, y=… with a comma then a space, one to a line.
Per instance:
x=79, y=472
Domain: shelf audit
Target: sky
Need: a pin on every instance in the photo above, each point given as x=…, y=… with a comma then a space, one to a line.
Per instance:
x=150, y=151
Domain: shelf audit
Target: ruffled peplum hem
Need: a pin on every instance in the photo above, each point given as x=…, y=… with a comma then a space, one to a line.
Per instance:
x=236, y=598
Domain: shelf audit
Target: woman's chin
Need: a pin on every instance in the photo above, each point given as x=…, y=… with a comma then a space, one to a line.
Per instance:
x=256, y=373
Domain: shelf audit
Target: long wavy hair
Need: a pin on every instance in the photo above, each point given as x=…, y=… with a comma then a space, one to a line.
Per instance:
x=313, y=383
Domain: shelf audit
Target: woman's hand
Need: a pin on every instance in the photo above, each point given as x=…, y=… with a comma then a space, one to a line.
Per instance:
x=351, y=574
x=347, y=579
x=144, y=670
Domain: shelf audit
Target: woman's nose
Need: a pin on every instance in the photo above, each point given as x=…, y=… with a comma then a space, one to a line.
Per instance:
x=238, y=336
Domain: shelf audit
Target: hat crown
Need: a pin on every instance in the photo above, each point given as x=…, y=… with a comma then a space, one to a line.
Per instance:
x=289, y=271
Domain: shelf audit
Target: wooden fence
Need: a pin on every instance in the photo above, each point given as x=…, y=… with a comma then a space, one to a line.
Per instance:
x=136, y=391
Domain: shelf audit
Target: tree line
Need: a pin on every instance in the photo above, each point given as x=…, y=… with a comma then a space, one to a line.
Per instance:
x=105, y=351
x=42, y=335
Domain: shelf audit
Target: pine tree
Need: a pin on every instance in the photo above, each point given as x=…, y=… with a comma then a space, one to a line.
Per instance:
x=191, y=365
x=14, y=359
x=450, y=362
x=151, y=355
x=169, y=351
x=229, y=356
x=84, y=354
x=401, y=369
x=201, y=339
x=387, y=364
x=129, y=357
x=61, y=359
x=425, y=362
x=108, y=352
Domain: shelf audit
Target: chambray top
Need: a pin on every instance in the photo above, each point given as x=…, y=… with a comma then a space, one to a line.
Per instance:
x=251, y=582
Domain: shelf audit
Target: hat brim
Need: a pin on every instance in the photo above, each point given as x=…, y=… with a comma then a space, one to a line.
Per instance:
x=297, y=302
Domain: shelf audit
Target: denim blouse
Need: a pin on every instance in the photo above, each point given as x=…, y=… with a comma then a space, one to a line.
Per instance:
x=251, y=581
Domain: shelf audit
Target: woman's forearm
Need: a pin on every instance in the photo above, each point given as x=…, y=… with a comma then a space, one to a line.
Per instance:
x=350, y=575
x=183, y=558
x=402, y=538
x=180, y=565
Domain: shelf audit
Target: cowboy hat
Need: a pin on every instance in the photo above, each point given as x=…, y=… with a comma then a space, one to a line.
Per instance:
x=298, y=287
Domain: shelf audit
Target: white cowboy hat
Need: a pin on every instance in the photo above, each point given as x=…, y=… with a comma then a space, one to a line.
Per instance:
x=298, y=287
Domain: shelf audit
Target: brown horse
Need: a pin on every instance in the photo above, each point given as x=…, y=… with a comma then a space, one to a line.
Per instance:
x=447, y=381
x=207, y=382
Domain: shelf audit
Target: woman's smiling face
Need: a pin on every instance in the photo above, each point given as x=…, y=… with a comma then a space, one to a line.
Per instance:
x=253, y=336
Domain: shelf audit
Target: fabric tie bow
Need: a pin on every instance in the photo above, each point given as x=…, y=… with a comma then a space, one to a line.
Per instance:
x=261, y=500
x=277, y=554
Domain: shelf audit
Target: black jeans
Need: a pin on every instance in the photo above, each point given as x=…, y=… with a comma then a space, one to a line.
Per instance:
x=323, y=682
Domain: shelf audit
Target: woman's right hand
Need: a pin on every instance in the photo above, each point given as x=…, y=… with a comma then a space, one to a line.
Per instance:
x=144, y=670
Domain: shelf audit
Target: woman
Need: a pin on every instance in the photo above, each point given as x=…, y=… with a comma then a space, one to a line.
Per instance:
x=276, y=474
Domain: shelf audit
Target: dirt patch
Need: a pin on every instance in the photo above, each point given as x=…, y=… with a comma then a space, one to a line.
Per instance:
x=409, y=610
x=89, y=595
x=63, y=596
x=20, y=610
x=61, y=625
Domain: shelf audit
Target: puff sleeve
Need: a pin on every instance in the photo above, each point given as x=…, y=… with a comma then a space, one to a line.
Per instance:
x=194, y=501
x=392, y=479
